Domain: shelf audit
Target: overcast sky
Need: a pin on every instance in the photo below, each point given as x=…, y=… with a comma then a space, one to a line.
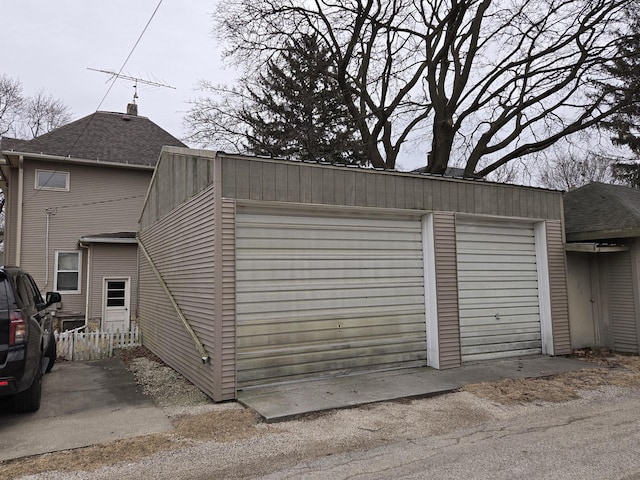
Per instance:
x=50, y=43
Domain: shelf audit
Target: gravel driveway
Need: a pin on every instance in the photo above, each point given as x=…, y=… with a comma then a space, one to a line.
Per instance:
x=228, y=441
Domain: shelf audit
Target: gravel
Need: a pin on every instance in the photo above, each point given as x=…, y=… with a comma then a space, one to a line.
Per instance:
x=228, y=441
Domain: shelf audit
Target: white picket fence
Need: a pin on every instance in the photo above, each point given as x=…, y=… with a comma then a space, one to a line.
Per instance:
x=76, y=345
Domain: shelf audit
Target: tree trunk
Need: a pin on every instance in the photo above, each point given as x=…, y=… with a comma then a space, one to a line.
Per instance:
x=441, y=145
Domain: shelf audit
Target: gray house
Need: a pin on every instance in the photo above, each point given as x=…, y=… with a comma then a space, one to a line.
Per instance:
x=73, y=198
x=256, y=271
x=603, y=255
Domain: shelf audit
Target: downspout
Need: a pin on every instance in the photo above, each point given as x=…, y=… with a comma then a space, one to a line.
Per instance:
x=87, y=295
x=49, y=212
x=203, y=352
x=19, y=218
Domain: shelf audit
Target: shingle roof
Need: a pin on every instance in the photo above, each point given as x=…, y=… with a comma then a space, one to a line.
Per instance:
x=600, y=211
x=8, y=143
x=107, y=137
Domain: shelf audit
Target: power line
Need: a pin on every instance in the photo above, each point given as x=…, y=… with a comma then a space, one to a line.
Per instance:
x=104, y=97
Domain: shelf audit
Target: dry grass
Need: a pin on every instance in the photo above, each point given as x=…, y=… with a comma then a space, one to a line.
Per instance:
x=617, y=370
x=89, y=458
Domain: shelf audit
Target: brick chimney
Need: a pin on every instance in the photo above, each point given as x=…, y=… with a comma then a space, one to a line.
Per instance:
x=132, y=109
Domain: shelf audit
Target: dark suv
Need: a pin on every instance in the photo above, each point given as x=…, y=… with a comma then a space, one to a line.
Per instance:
x=27, y=344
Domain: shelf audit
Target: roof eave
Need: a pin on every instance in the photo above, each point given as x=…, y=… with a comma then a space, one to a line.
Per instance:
x=129, y=241
x=77, y=161
x=602, y=234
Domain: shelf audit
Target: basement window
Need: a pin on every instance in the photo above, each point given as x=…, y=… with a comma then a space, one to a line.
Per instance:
x=52, y=180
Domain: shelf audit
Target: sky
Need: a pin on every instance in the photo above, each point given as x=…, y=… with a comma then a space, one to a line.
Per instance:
x=49, y=44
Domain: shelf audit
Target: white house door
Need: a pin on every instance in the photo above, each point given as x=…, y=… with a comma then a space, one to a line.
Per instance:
x=116, y=293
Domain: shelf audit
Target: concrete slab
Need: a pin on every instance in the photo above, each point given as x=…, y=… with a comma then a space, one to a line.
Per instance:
x=83, y=403
x=285, y=401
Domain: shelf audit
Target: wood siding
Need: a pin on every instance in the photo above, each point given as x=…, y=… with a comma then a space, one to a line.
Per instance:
x=180, y=175
x=112, y=260
x=447, y=289
x=321, y=295
x=271, y=180
x=622, y=313
x=558, y=288
x=182, y=249
x=99, y=200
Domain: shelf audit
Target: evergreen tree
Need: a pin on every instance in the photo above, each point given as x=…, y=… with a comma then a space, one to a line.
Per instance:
x=296, y=109
x=626, y=69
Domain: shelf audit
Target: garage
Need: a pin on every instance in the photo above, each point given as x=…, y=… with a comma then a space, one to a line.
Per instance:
x=262, y=271
x=322, y=295
x=497, y=290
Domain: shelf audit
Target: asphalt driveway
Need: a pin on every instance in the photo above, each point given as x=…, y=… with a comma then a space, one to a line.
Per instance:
x=83, y=403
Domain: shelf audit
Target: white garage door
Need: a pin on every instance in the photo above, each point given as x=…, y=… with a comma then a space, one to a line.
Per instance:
x=498, y=290
x=326, y=295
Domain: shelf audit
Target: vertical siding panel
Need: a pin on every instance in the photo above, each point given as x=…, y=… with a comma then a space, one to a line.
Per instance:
x=306, y=195
x=445, y=188
x=268, y=181
x=418, y=198
x=328, y=186
x=229, y=180
x=370, y=190
x=350, y=187
x=360, y=189
x=380, y=199
x=316, y=185
x=447, y=290
x=477, y=198
x=436, y=193
x=255, y=181
x=558, y=288
x=427, y=188
x=242, y=178
x=281, y=182
x=622, y=310
x=293, y=183
x=399, y=197
x=339, y=193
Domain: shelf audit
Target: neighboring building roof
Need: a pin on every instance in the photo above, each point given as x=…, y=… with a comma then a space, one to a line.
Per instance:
x=454, y=172
x=104, y=136
x=8, y=143
x=600, y=211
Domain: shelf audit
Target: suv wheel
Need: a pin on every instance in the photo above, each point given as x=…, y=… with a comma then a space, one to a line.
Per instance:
x=29, y=400
x=51, y=353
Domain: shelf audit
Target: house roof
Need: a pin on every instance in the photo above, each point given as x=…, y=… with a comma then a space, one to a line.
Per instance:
x=600, y=211
x=102, y=136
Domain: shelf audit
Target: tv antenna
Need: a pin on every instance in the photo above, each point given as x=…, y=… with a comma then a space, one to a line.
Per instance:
x=136, y=80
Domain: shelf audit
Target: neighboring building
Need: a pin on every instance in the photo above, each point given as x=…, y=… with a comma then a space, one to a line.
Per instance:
x=603, y=255
x=286, y=270
x=73, y=200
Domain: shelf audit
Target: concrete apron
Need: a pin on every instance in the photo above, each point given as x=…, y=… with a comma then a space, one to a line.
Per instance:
x=83, y=403
x=286, y=401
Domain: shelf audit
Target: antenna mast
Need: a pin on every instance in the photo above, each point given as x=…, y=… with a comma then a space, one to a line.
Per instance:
x=116, y=76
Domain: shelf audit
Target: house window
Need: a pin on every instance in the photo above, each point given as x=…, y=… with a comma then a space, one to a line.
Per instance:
x=67, y=272
x=52, y=180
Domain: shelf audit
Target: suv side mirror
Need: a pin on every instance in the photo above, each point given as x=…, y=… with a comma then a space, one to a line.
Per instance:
x=52, y=297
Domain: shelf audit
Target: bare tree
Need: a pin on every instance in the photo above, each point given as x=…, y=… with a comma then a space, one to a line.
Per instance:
x=567, y=170
x=41, y=114
x=492, y=81
x=27, y=117
x=11, y=103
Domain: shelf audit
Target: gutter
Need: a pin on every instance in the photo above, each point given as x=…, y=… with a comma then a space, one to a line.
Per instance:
x=594, y=248
x=203, y=352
